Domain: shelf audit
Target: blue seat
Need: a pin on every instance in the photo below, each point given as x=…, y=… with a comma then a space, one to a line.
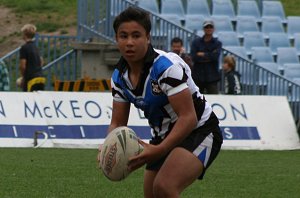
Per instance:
x=198, y=7
x=271, y=24
x=287, y=55
x=246, y=24
x=150, y=5
x=237, y=50
x=253, y=39
x=278, y=40
x=223, y=8
x=172, y=18
x=297, y=81
x=222, y=23
x=291, y=70
x=262, y=55
x=248, y=8
x=271, y=66
x=264, y=71
x=194, y=22
x=297, y=42
x=293, y=25
x=172, y=7
x=273, y=8
x=229, y=38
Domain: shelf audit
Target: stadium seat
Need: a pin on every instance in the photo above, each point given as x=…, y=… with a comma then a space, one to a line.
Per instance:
x=253, y=39
x=150, y=5
x=291, y=70
x=198, y=7
x=237, y=50
x=297, y=42
x=228, y=38
x=170, y=18
x=223, y=8
x=297, y=81
x=246, y=24
x=278, y=40
x=194, y=22
x=287, y=55
x=262, y=55
x=293, y=25
x=271, y=66
x=222, y=23
x=172, y=7
x=273, y=8
x=248, y=8
x=271, y=24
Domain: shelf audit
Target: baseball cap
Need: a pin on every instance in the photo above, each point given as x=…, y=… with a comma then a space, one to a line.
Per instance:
x=208, y=22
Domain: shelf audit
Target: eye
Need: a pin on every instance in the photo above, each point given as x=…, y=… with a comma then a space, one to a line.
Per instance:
x=123, y=36
x=136, y=36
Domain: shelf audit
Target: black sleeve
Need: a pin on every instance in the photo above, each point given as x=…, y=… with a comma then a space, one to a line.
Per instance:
x=22, y=53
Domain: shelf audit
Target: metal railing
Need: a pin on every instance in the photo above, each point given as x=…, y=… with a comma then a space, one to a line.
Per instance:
x=95, y=18
x=256, y=80
x=60, y=60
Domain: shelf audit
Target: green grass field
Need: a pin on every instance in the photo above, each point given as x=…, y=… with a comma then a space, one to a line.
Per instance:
x=51, y=173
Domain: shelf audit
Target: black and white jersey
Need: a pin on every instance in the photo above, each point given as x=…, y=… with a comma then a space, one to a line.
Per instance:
x=164, y=74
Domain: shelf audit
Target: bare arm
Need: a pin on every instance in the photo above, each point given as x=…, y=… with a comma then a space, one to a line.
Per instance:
x=120, y=114
x=186, y=122
x=22, y=66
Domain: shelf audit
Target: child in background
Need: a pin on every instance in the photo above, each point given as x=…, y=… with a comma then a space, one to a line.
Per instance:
x=232, y=78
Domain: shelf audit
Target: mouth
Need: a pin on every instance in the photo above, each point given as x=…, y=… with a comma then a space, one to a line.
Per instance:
x=129, y=52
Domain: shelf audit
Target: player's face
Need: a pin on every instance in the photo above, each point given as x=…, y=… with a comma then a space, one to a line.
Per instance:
x=132, y=41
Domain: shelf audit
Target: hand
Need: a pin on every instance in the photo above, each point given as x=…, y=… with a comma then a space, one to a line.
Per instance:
x=98, y=156
x=200, y=53
x=182, y=50
x=149, y=154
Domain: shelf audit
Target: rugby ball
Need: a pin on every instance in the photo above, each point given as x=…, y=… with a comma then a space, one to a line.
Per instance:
x=119, y=145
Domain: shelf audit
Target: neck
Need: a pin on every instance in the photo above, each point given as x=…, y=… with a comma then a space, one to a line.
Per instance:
x=207, y=37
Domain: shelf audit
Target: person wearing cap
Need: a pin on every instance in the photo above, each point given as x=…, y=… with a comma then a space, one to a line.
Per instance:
x=205, y=52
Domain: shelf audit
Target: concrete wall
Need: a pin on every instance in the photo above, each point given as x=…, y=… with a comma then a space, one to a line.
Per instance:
x=98, y=59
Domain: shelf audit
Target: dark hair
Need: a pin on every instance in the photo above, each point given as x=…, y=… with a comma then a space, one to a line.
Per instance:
x=133, y=14
x=176, y=40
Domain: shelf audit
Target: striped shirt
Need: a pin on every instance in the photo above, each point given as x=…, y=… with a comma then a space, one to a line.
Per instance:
x=164, y=74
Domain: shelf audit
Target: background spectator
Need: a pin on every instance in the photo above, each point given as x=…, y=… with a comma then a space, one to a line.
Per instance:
x=232, y=83
x=177, y=48
x=30, y=61
x=205, y=53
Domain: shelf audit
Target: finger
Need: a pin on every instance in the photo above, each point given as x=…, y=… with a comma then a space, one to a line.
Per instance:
x=100, y=147
x=135, y=164
x=141, y=142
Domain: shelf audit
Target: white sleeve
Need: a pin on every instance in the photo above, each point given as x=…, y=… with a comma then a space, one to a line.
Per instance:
x=173, y=80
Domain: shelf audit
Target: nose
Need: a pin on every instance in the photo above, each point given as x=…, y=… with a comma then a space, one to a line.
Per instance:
x=130, y=41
